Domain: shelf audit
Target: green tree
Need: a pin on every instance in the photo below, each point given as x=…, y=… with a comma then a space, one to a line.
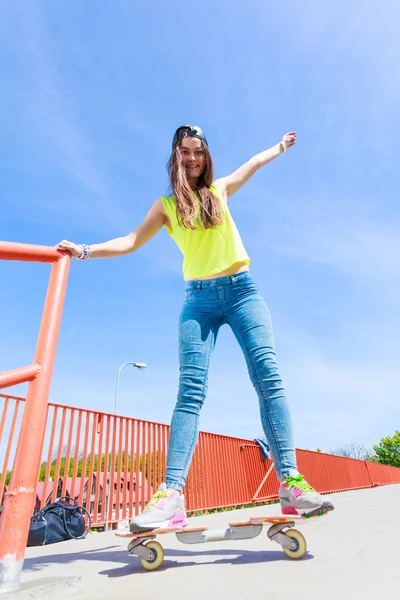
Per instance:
x=153, y=466
x=388, y=450
x=152, y=472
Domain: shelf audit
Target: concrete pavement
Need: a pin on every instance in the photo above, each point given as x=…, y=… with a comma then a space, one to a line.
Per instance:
x=353, y=553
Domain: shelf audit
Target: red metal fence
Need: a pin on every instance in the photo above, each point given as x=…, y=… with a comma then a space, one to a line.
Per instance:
x=112, y=464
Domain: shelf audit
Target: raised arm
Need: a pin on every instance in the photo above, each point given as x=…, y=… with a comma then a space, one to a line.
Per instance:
x=230, y=184
x=152, y=223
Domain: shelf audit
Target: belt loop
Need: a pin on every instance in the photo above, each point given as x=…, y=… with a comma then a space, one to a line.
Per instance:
x=199, y=285
x=233, y=280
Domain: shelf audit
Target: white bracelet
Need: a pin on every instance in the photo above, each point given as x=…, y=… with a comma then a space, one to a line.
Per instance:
x=282, y=145
x=86, y=252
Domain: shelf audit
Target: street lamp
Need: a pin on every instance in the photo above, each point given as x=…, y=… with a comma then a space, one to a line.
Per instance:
x=139, y=366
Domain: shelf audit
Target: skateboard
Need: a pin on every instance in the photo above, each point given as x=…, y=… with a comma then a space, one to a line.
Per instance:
x=151, y=553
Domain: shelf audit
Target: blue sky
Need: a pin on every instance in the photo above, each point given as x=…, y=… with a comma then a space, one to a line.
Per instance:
x=90, y=96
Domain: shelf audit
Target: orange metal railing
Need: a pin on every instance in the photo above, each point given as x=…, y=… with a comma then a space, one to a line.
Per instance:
x=112, y=464
x=19, y=497
x=108, y=463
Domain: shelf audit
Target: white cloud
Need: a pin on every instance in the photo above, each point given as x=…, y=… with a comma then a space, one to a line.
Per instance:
x=357, y=246
x=336, y=398
x=46, y=102
x=355, y=236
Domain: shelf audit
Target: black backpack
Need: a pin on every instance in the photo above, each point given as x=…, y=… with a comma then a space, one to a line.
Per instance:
x=58, y=522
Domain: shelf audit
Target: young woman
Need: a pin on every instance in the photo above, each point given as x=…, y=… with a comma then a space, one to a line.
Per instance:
x=219, y=289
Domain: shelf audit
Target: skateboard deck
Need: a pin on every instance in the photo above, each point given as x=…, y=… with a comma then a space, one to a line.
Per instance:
x=125, y=533
x=272, y=520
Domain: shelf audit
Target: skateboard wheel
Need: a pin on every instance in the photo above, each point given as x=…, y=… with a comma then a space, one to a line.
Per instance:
x=300, y=543
x=158, y=553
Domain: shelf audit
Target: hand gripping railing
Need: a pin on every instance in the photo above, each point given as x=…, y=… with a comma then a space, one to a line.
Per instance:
x=20, y=496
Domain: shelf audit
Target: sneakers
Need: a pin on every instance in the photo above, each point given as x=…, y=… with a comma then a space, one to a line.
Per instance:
x=297, y=497
x=165, y=509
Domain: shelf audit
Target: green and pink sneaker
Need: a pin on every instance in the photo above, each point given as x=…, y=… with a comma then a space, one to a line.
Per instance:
x=165, y=509
x=297, y=497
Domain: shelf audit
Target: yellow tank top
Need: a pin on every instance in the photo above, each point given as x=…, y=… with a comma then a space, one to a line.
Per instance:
x=206, y=252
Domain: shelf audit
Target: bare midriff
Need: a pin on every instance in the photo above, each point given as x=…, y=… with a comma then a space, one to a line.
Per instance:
x=238, y=267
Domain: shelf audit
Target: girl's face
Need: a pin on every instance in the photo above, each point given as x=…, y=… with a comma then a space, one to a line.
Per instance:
x=193, y=158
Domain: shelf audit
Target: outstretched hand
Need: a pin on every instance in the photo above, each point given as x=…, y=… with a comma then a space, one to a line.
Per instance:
x=74, y=249
x=289, y=139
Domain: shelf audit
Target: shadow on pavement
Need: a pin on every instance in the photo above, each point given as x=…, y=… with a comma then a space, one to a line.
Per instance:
x=132, y=563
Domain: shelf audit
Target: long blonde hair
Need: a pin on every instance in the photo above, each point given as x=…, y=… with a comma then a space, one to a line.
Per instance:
x=186, y=202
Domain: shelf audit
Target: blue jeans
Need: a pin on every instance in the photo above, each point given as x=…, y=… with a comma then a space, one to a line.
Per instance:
x=208, y=305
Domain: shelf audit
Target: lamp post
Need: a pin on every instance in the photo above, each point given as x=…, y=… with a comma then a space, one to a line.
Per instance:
x=139, y=366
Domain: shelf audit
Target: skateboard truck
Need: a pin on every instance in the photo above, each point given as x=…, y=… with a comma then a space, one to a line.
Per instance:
x=275, y=533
